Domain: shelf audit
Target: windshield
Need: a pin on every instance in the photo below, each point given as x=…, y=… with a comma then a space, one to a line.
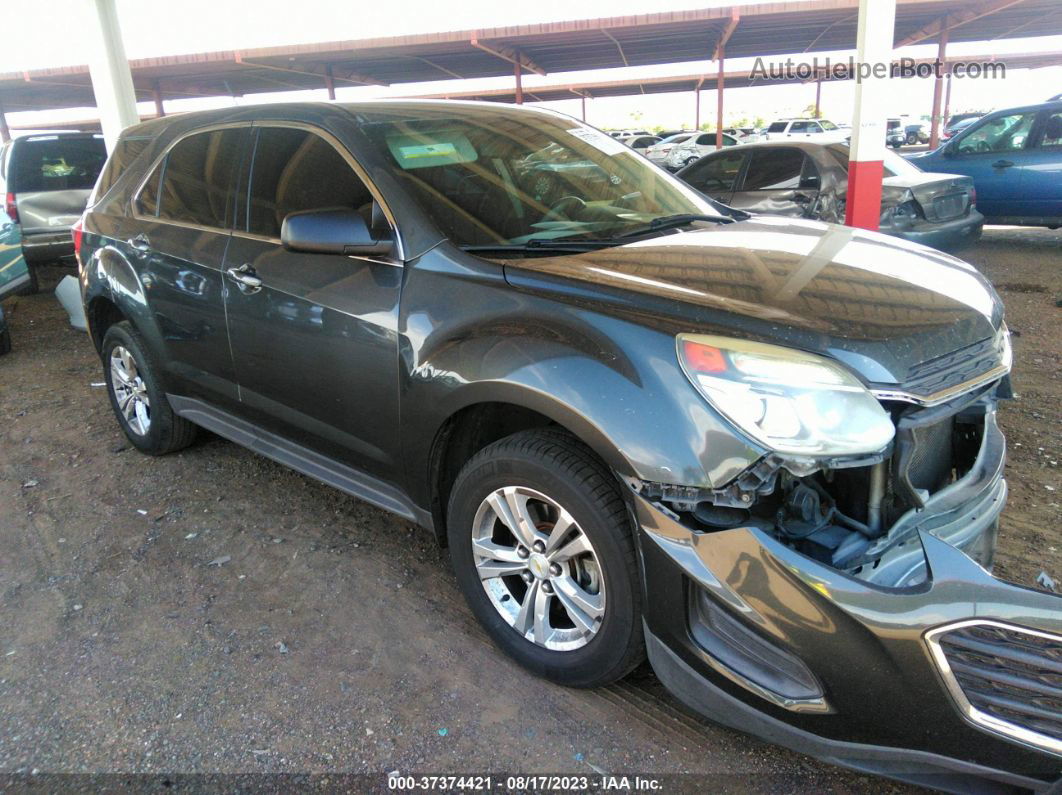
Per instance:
x=827, y=125
x=505, y=176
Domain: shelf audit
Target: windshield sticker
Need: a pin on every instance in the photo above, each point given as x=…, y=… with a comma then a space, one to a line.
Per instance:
x=604, y=143
x=422, y=151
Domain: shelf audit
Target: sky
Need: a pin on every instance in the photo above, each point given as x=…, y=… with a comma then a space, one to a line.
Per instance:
x=157, y=28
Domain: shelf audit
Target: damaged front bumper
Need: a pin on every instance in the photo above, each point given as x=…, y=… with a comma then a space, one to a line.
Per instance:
x=917, y=664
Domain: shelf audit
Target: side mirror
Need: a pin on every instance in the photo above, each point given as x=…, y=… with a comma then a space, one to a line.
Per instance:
x=333, y=231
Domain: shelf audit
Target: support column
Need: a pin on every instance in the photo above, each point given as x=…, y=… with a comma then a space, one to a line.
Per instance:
x=818, y=98
x=112, y=82
x=697, y=108
x=938, y=86
x=582, y=102
x=330, y=82
x=947, y=102
x=517, y=73
x=156, y=92
x=5, y=131
x=720, y=81
x=877, y=23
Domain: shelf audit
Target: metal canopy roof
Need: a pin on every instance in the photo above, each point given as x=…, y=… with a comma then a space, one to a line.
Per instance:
x=770, y=29
x=690, y=82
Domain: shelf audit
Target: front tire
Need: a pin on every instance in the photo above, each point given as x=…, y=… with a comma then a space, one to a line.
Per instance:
x=137, y=397
x=543, y=550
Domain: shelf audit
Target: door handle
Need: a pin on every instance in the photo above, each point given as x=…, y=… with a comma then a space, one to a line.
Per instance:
x=245, y=277
x=1002, y=164
x=139, y=243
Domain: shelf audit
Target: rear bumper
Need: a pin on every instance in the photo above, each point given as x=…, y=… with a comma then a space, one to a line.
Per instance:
x=40, y=248
x=949, y=235
x=759, y=637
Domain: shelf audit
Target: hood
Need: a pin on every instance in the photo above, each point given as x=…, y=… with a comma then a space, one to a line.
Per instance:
x=885, y=307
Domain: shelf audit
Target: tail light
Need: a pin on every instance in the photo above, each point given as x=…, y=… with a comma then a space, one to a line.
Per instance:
x=77, y=231
x=11, y=208
x=973, y=196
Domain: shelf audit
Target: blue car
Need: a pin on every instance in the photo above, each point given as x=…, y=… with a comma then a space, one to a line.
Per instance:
x=1015, y=159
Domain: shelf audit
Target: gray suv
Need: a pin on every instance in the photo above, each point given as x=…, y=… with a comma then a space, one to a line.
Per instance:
x=46, y=181
x=760, y=451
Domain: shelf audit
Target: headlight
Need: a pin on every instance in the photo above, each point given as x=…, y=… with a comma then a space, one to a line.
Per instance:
x=789, y=401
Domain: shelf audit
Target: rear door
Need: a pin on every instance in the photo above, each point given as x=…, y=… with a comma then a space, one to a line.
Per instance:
x=779, y=180
x=316, y=345
x=716, y=175
x=994, y=151
x=184, y=212
x=1042, y=170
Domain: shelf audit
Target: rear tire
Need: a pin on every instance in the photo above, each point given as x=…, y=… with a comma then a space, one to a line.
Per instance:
x=584, y=628
x=137, y=397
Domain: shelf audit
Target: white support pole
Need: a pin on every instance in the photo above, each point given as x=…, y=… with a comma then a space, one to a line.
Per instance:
x=877, y=23
x=112, y=83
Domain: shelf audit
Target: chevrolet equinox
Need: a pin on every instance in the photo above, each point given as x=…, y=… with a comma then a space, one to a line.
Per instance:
x=761, y=451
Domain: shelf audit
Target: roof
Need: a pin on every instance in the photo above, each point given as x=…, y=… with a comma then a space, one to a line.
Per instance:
x=766, y=29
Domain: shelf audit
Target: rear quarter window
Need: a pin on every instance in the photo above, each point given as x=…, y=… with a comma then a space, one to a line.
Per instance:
x=125, y=152
x=51, y=163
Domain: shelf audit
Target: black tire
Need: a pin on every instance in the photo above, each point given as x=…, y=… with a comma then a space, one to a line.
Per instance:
x=912, y=138
x=5, y=341
x=560, y=467
x=32, y=287
x=166, y=432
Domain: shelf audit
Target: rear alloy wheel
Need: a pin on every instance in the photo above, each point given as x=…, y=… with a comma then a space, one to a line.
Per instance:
x=543, y=550
x=136, y=394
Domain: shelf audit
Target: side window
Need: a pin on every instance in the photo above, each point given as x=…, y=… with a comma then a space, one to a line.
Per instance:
x=125, y=152
x=297, y=170
x=197, y=178
x=813, y=127
x=799, y=127
x=1001, y=134
x=706, y=140
x=715, y=174
x=809, y=175
x=1052, y=136
x=774, y=169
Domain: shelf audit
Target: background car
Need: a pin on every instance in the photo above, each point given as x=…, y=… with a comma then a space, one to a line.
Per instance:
x=956, y=127
x=639, y=143
x=695, y=148
x=917, y=133
x=46, y=184
x=745, y=135
x=810, y=180
x=659, y=151
x=1015, y=159
x=14, y=275
x=808, y=129
x=895, y=135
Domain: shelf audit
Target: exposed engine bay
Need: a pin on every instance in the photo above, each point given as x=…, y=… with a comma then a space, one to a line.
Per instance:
x=853, y=514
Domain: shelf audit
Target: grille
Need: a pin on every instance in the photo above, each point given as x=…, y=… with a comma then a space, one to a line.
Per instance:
x=1005, y=678
x=957, y=367
x=951, y=205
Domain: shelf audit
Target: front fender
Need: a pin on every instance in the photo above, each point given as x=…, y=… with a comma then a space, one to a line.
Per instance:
x=614, y=382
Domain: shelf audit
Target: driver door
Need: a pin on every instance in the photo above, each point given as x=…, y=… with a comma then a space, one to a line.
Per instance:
x=315, y=343
x=993, y=152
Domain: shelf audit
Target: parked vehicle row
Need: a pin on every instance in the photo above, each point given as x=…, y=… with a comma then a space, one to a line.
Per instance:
x=760, y=450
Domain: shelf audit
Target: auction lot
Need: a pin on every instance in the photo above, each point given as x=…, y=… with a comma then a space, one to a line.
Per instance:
x=211, y=611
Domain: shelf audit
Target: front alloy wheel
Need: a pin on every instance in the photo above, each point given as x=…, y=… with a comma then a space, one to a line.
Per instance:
x=543, y=550
x=538, y=568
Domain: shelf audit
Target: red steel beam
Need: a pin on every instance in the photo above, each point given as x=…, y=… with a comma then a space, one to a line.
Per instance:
x=938, y=85
x=514, y=57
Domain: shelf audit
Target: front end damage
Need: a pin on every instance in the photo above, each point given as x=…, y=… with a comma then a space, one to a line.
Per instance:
x=845, y=608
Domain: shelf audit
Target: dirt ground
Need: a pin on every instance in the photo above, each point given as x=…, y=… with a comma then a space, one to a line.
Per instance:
x=213, y=612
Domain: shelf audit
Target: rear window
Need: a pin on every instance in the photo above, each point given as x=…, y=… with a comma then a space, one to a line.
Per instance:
x=125, y=152
x=198, y=179
x=55, y=162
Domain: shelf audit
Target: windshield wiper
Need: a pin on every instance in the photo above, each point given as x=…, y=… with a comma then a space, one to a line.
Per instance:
x=536, y=244
x=673, y=221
